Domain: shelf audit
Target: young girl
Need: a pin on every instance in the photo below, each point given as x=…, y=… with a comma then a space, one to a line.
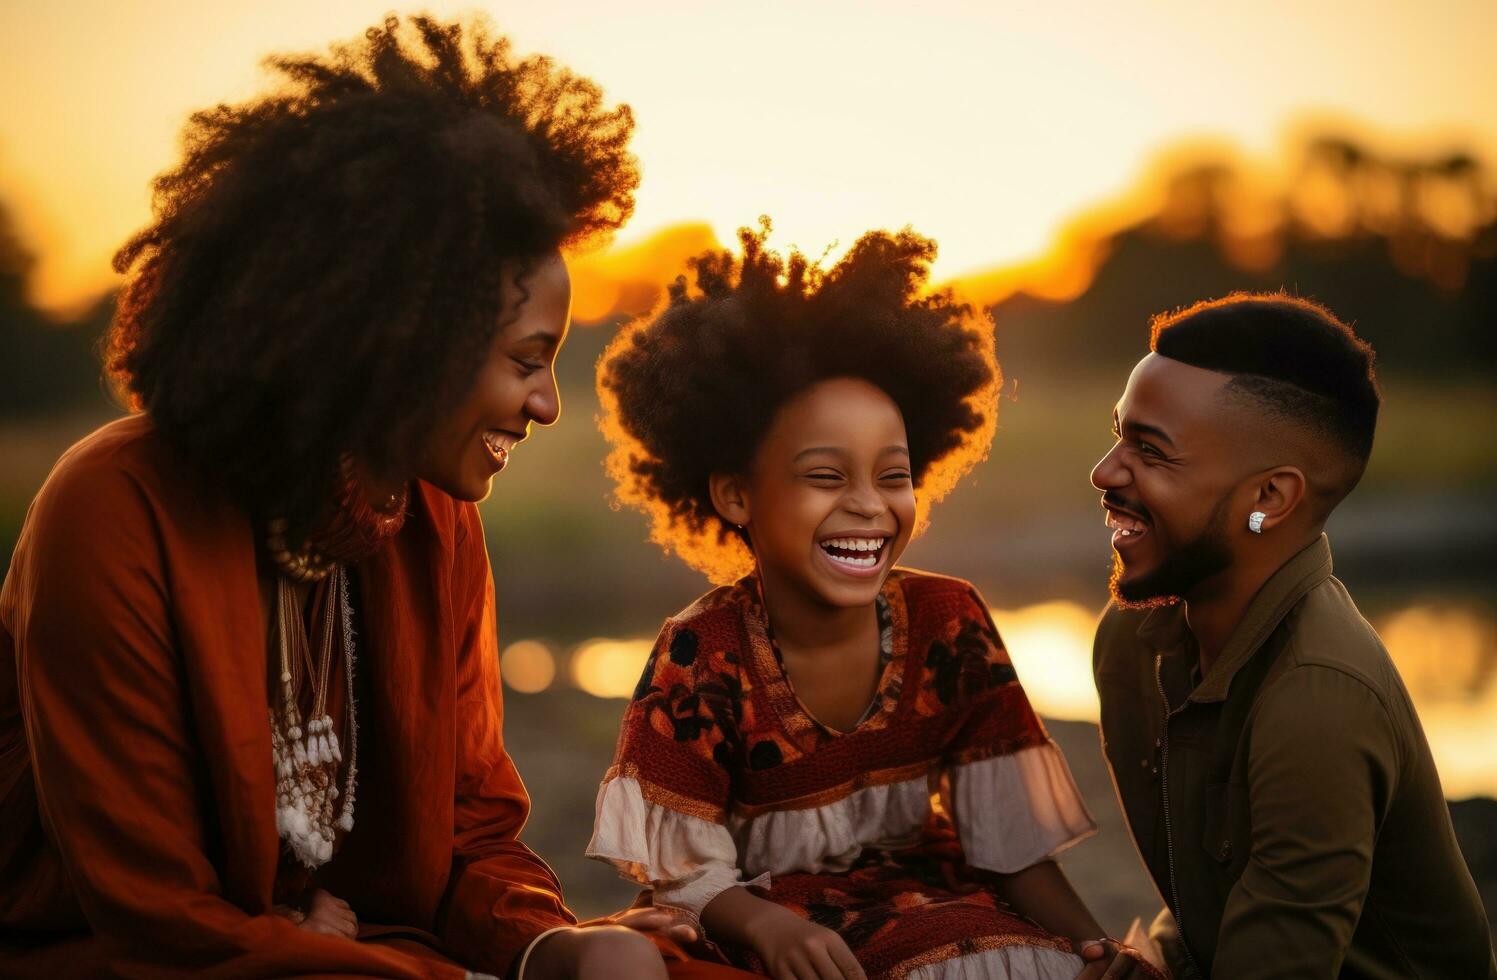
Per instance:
x=830, y=763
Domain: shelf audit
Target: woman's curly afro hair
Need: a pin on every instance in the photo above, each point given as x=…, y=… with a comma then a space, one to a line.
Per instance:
x=323, y=274
x=692, y=389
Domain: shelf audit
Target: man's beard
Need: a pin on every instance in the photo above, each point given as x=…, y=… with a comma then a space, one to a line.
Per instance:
x=1180, y=571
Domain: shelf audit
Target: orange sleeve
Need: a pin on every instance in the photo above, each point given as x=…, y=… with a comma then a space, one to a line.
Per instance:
x=117, y=767
x=501, y=894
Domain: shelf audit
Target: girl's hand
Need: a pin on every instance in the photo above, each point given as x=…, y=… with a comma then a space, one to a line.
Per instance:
x=326, y=914
x=595, y=953
x=795, y=949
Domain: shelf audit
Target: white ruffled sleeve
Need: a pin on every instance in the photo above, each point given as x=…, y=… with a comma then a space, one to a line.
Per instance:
x=1011, y=794
x=662, y=811
x=689, y=861
x=1015, y=810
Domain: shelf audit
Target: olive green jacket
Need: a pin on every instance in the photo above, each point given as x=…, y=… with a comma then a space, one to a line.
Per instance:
x=1287, y=805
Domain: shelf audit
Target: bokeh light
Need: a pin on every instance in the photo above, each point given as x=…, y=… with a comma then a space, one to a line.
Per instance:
x=1447, y=655
x=1051, y=647
x=527, y=666
x=609, y=668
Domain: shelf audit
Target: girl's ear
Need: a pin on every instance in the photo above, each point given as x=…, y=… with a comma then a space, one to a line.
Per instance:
x=729, y=498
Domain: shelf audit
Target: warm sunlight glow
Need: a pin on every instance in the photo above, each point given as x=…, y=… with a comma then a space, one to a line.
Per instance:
x=1447, y=655
x=982, y=125
x=609, y=668
x=630, y=278
x=527, y=666
x=1051, y=647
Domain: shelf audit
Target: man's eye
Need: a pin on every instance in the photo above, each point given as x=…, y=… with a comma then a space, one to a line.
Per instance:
x=1147, y=450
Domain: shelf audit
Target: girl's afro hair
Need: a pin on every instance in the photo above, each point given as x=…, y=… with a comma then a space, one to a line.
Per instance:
x=692, y=389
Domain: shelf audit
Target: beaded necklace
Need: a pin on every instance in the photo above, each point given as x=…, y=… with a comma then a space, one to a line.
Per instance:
x=308, y=809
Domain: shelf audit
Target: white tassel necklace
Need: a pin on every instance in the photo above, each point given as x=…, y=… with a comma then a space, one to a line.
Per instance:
x=308, y=810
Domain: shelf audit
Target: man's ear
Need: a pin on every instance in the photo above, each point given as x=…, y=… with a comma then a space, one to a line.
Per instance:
x=1280, y=492
x=729, y=497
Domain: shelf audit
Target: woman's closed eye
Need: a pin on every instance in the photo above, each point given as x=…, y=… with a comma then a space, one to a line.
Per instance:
x=825, y=476
x=528, y=366
x=895, y=476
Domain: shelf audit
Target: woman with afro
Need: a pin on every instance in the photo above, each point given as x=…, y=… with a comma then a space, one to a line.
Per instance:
x=252, y=721
x=829, y=762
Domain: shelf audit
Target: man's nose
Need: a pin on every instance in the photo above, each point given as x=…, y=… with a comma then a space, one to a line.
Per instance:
x=1110, y=473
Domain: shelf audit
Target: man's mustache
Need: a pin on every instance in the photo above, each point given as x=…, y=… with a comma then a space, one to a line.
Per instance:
x=1117, y=500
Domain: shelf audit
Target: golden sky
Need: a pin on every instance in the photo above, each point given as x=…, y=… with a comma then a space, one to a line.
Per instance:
x=985, y=125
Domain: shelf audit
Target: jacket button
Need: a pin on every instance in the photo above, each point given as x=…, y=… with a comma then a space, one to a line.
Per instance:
x=1225, y=851
x=1143, y=763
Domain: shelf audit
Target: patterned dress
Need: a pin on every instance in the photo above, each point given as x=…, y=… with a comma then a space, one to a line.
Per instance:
x=888, y=833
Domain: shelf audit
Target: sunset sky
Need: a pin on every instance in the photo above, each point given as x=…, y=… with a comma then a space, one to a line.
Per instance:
x=985, y=125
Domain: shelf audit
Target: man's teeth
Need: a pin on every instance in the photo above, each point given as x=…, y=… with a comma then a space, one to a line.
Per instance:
x=1125, y=526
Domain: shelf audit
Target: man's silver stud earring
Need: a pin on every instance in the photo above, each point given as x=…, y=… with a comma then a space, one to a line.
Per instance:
x=1255, y=521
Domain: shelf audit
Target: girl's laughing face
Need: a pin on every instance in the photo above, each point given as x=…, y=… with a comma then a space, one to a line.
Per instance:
x=829, y=500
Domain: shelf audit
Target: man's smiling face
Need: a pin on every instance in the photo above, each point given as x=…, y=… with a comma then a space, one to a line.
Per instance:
x=1167, y=483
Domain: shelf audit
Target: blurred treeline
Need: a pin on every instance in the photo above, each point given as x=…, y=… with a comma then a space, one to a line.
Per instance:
x=46, y=368
x=1402, y=245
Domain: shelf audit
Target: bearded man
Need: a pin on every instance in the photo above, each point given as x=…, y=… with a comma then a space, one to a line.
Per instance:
x=1265, y=751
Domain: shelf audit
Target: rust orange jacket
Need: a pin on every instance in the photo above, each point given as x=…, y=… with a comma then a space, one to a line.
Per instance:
x=137, y=808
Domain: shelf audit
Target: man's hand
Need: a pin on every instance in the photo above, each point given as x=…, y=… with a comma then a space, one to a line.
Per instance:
x=1107, y=959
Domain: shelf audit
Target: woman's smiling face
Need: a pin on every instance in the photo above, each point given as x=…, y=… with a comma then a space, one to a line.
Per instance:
x=515, y=386
x=829, y=501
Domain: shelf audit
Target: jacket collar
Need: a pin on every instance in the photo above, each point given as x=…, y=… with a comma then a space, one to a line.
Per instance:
x=1166, y=630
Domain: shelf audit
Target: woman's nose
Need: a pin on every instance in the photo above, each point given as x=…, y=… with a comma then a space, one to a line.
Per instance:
x=544, y=404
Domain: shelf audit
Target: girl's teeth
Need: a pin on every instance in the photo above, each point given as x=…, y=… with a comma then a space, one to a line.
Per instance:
x=855, y=544
x=865, y=552
x=867, y=562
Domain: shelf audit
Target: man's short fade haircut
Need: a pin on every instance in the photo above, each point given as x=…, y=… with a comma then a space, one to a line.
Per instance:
x=1292, y=357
